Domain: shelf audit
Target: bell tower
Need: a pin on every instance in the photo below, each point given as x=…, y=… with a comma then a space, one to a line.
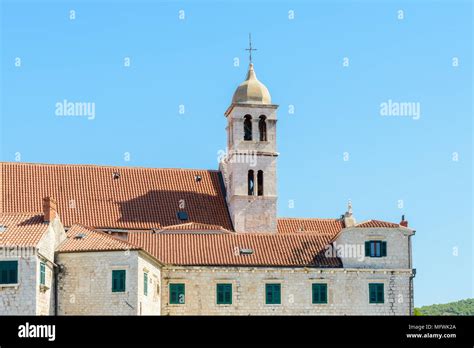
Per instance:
x=250, y=165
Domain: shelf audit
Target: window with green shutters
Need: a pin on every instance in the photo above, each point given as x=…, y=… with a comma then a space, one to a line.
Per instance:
x=273, y=293
x=42, y=273
x=177, y=294
x=376, y=293
x=8, y=272
x=224, y=293
x=375, y=248
x=320, y=293
x=145, y=284
x=118, y=280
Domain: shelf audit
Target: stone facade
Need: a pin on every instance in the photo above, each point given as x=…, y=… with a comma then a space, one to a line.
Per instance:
x=85, y=283
x=348, y=291
x=398, y=247
x=29, y=297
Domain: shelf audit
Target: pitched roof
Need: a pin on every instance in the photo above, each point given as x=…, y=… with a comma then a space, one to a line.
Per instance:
x=140, y=198
x=295, y=250
x=302, y=225
x=81, y=238
x=21, y=229
x=377, y=223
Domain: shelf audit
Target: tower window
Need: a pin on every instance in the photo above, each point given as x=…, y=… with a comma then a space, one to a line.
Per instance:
x=260, y=183
x=262, y=127
x=251, y=183
x=248, y=127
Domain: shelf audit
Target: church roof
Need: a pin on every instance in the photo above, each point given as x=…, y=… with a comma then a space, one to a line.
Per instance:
x=116, y=197
x=237, y=249
x=251, y=91
x=21, y=229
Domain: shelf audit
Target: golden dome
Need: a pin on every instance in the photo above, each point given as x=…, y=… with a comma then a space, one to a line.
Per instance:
x=251, y=91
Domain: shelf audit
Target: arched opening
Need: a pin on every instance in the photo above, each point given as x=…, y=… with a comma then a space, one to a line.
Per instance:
x=248, y=127
x=262, y=127
x=251, y=183
x=260, y=182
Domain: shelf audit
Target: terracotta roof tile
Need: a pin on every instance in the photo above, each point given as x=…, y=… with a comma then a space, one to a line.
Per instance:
x=301, y=225
x=21, y=229
x=377, y=223
x=297, y=250
x=81, y=238
x=141, y=198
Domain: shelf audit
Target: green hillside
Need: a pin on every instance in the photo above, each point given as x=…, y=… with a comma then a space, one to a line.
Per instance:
x=463, y=307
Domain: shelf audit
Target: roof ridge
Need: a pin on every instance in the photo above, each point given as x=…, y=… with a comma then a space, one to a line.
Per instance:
x=103, y=166
x=307, y=218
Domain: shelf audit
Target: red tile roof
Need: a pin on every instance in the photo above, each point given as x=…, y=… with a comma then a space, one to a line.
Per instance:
x=295, y=250
x=81, y=238
x=302, y=225
x=22, y=229
x=141, y=198
x=377, y=223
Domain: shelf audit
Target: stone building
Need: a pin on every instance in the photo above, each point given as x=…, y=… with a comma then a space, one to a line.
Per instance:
x=147, y=241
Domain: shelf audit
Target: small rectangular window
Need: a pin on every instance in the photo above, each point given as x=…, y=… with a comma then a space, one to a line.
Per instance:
x=177, y=294
x=224, y=293
x=145, y=284
x=42, y=273
x=376, y=293
x=320, y=293
x=273, y=293
x=118, y=281
x=375, y=248
x=8, y=272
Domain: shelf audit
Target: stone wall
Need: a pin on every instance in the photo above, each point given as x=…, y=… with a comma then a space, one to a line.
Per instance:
x=85, y=284
x=20, y=299
x=398, y=248
x=348, y=291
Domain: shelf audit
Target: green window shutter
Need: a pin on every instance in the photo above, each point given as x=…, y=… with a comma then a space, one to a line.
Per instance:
x=224, y=293
x=380, y=293
x=367, y=248
x=42, y=273
x=145, y=284
x=384, y=249
x=376, y=293
x=273, y=293
x=118, y=280
x=320, y=293
x=8, y=272
x=177, y=294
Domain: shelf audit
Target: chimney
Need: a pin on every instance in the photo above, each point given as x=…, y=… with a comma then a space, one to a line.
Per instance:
x=50, y=210
x=404, y=222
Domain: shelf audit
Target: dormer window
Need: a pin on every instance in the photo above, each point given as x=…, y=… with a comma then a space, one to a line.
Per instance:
x=375, y=248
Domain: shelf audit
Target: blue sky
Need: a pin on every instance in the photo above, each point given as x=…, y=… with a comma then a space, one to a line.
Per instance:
x=190, y=62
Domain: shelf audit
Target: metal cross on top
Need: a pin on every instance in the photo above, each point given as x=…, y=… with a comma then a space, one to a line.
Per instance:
x=250, y=49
